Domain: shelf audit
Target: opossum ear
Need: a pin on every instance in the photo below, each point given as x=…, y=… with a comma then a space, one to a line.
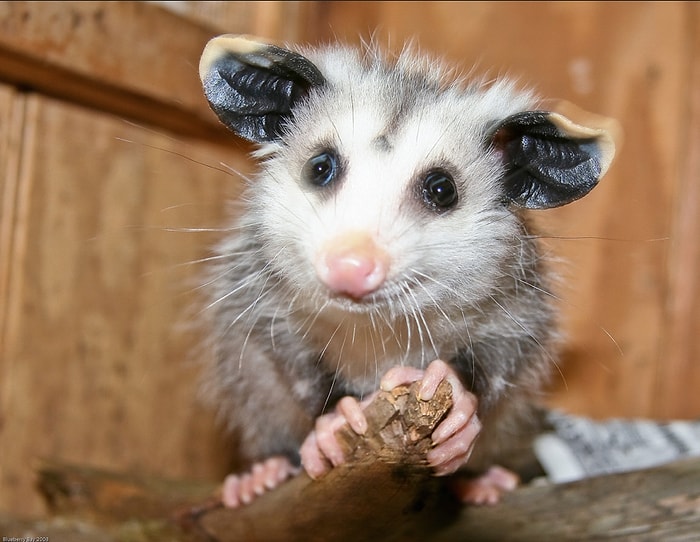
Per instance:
x=252, y=86
x=551, y=160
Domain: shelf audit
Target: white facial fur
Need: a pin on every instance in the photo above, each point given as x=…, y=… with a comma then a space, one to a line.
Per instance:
x=439, y=264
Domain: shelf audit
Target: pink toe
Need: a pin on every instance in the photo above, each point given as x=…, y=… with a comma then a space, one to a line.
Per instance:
x=229, y=491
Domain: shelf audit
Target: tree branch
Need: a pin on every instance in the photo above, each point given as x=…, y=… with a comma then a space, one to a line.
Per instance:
x=385, y=492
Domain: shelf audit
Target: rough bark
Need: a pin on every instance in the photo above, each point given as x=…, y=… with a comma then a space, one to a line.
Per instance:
x=385, y=492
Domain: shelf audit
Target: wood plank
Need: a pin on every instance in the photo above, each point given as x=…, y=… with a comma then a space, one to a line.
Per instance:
x=11, y=118
x=618, y=282
x=677, y=390
x=11, y=121
x=97, y=359
x=134, y=59
x=281, y=20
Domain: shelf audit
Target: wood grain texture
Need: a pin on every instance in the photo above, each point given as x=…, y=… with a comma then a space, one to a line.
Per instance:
x=135, y=59
x=282, y=20
x=628, y=270
x=11, y=120
x=130, y=58
x=97, y=359
x=661, y=503
x=385, y=470
x=680, y=352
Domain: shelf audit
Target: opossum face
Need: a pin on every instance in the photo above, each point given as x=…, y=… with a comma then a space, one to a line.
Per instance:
x=384, y=183
x=376, y=196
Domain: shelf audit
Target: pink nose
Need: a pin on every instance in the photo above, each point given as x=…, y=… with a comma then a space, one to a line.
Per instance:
x=352, y=265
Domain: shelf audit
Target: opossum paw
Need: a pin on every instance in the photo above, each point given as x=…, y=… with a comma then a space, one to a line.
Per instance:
x=454, y=438
x=241, y=489
x=486, y=489
x=320, y=452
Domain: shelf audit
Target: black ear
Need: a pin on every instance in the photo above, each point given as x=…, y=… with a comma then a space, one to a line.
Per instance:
x=252, y=86
x=550, y=160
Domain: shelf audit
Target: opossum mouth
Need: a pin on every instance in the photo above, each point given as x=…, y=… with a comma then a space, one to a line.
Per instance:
x=392, y=296
x=365, y=304
x=353, y=304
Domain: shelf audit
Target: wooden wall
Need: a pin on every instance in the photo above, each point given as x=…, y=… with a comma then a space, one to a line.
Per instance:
x=110, y=156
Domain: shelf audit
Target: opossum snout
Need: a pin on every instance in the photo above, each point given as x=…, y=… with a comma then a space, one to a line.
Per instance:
x=352, y=265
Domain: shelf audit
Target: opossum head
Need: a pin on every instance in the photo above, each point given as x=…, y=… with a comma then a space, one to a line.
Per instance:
x=387, y=181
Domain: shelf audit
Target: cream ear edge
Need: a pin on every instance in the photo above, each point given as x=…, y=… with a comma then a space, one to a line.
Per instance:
x=228, y=43
x=576, y=122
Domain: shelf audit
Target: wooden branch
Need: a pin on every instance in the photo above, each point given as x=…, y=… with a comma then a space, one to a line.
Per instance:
x=385, y=492
x=661, y=503
x=385, y=488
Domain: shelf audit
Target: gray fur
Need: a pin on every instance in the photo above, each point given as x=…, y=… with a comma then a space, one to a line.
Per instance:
x=469, y=286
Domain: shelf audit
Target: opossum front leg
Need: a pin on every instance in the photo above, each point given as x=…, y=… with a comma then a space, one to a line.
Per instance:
x=240, y=489
x=487, y=488
x=453, y=438
x=320, y=451
x=271, y=421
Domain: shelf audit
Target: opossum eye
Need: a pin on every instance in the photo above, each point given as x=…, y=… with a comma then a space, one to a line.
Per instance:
x=439, y=190
x=322, y=169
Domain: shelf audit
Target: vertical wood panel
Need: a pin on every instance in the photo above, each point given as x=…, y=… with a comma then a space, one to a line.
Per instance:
x=626, y=60
x=117, y=56
x=10, y=130
x=679, y=374
x=11, y=119
x=95, y=363
x=95, y=346
x=620, y=283
x=279, y=20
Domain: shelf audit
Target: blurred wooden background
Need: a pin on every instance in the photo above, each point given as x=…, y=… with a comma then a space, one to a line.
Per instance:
x=111, y=177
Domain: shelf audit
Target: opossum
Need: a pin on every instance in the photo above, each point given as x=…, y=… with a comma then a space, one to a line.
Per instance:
x=383, y=241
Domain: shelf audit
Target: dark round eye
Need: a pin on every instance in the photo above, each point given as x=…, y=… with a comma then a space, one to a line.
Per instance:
x=439, y=190
x=321, y=169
